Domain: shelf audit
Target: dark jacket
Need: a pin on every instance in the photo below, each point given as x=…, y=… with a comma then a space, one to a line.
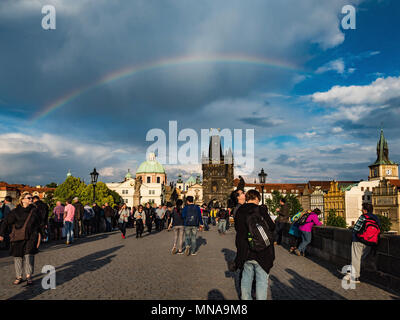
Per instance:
x=108, y=212
x=17, y=217
x=283, y=214
x=150, y=214
x=223, y=214
x=177, y=219
x=43, y=212
x=79, y=211
x=264, y=258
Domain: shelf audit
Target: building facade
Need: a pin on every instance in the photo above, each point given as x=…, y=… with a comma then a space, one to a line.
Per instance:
x=334, y=200
x=386, y=201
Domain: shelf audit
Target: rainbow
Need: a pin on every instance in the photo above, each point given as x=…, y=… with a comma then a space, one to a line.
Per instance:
x=164, y=63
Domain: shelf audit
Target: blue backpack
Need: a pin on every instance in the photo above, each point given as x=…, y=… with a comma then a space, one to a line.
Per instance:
x=192, y=218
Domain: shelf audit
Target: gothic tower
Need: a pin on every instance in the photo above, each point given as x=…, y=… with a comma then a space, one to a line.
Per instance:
x=383, y=167
x=217, y=173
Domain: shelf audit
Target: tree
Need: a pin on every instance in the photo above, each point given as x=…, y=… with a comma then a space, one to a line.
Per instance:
x=334, y=220
x=50, y=201
x=291, y=200
x=386, y=224
x=51, y=185
x=70, y=188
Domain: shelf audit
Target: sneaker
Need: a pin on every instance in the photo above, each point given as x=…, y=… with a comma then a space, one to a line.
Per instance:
x=68, y=243
x=123, y=237
x=348, y=277
x=187, y=251
x=291, y=250
x=194, y=253
x=297, y=252
x=173, y=251
x=180, y=252
x=356, y=280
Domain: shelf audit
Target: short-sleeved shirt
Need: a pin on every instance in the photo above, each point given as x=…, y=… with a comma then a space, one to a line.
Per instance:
x=70, y=210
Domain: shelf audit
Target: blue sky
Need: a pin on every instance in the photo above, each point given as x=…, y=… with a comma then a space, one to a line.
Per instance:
x=319, y=119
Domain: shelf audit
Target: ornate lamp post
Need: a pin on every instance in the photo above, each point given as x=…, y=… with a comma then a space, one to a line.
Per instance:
x=262, y=176
x=94, y=175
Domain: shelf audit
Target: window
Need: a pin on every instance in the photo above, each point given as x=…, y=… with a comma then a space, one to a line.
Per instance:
x=369, y=198
x=148, y=179
x=362, y=188
x=126, y=200
x=158, y=180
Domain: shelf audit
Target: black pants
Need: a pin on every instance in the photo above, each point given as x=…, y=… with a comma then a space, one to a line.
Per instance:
x=122, y=227
x=86, y=224
x=149, y=227
x=139, y=227
x=158, y=224
x=278, y=231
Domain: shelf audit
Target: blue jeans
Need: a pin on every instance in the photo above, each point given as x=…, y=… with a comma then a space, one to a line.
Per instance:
x=190, y=237
x=69, y=230
x=108, y=224
x=205, y=223
x=250, y=267
x=306, y=239
x=222, y=225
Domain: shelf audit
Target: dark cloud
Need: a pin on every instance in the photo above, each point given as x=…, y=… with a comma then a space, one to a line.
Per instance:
x=258, y=121
x=334, y=151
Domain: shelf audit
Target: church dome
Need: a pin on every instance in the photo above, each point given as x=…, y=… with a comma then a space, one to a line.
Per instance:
x=150, y=166
x=128, y=175
x=191, y=181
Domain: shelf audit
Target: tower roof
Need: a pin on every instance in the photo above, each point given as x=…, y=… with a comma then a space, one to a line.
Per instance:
x=382, y=151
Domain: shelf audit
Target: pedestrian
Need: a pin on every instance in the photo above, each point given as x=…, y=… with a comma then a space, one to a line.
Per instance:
x=109, y=215
x=88, y=215
x=222, y=216
x=168, y=215
x=58, y=220
x=43, y=212
x=159, y=217
x=131, y=219
x=97, y=217
x=25, y=236
x=78, y=218
x=69, y=213
x=306, y=224
x=123, y=219
x=365, y=237
x=191, y=215
x=213, y=215
x=283, y=217
x=205, y=216
x=253, y=263
x=115, y=218
x=149, y=216
x=294, y=232
x=177, y=224
x=164, y=217
x=140, y=218
x=7, y=207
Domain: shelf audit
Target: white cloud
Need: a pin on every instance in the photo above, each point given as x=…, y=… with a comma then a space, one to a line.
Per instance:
x=378, y=92
x=335, y=65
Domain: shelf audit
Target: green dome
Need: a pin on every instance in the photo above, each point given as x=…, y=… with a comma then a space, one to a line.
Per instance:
x=150, y=166
x=128, y=175
x=191, y=180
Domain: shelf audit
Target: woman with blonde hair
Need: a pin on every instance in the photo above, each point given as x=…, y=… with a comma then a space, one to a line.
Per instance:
x=25, y=236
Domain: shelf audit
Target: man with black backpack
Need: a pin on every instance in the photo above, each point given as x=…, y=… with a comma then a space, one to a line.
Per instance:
x=365, y=236
x=192, y=219
x=255, y=249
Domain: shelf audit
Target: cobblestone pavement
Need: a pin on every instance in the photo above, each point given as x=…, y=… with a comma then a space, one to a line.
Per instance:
x=104, y=266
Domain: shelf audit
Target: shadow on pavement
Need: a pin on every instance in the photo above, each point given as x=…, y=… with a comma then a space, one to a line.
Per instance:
x=200, y=241
x=230, y=256
x=69, y=271
x=300, y=289
x=215, y=294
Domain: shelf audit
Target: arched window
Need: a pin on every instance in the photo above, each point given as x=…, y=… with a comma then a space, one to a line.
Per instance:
x=148, y=179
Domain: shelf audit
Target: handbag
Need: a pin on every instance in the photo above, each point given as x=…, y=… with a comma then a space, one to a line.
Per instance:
x=19, y=234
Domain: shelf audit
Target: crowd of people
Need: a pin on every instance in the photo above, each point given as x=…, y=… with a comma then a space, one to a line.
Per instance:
x=24, y=227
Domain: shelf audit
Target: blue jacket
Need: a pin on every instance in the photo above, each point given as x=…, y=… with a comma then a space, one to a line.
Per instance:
x=184, y=213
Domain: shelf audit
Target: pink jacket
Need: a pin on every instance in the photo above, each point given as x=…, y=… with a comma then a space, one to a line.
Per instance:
x=70, y=211
x=311, y=220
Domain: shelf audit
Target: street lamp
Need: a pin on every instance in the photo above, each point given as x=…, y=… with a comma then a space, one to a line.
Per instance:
x=94, y=175
x=262, y=176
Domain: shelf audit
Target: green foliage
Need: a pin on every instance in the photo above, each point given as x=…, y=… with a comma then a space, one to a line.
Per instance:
x=385, y=223
x=291, y=200
x=70, y=188
x=74, y=187
x=51, y=185
x=334, y=220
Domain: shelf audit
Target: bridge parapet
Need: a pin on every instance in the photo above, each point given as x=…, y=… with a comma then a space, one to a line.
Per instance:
x=334, y=245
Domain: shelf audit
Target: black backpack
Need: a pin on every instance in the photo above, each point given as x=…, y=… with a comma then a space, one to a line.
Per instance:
x=303, y=219
x=192, y=218
x=258, y=234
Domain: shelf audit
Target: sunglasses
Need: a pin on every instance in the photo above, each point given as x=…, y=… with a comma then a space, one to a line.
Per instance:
x=29, y=198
